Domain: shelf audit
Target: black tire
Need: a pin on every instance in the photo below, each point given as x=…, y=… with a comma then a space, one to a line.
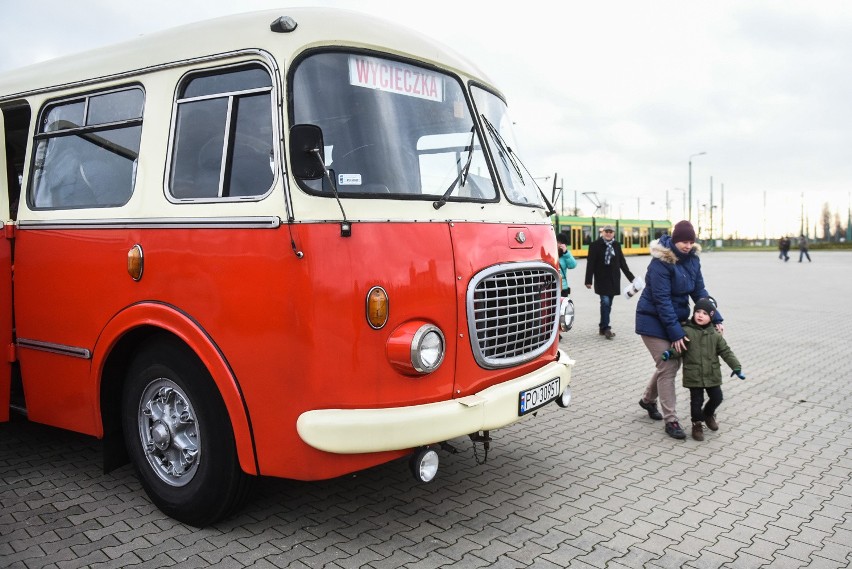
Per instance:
x=171, y=406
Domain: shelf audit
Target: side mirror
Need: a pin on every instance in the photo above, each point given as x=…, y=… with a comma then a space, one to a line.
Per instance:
x=307, y=152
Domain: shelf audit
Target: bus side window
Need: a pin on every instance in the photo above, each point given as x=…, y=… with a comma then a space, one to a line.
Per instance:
x=87, y=150
x=222, y=145
x=16, y=124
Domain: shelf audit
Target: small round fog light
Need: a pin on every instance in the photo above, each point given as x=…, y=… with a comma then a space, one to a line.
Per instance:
x=424, y=464
x=564, y=399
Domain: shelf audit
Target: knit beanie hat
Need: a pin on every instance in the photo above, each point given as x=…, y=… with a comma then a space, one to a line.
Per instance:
x=683, y=231
x=705, y=304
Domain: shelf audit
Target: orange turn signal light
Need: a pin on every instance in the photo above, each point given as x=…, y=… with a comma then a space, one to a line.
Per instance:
x=377, y=307
x=135, y=262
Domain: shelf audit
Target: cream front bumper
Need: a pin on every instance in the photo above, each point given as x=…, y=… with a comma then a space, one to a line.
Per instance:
x=354, y=431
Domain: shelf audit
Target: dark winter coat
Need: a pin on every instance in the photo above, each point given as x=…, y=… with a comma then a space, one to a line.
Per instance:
x=701, y=359
x=607, y=278
x=672, y=279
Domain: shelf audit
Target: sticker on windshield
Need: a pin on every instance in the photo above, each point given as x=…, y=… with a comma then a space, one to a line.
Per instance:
x=395, y=77
x=349, y=179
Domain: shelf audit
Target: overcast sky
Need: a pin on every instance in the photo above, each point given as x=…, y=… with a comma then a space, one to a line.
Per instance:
x=614, y=95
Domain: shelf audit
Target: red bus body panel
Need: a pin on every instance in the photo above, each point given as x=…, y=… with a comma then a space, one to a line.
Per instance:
x=280, y=335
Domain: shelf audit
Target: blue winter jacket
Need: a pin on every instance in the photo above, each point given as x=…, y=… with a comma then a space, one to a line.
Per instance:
x=672, y=278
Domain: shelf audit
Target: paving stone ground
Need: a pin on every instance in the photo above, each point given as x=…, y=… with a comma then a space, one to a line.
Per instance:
x=597, y=485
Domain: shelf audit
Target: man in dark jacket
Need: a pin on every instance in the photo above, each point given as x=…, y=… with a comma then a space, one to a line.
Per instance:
x=604, y=266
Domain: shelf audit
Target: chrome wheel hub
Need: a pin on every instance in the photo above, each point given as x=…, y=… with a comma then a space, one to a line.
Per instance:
x=169, y=432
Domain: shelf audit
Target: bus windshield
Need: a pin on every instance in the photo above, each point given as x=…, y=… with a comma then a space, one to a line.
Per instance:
x=518, y=183
x=390, y=129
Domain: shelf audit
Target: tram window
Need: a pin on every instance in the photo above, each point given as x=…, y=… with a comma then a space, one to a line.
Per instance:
x=86, y=151
x=587, y=234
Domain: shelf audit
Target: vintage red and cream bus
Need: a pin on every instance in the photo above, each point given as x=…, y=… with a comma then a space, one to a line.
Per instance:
x=283, y=244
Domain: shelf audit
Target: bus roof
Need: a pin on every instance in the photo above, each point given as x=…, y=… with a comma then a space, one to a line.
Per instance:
x=316, y=27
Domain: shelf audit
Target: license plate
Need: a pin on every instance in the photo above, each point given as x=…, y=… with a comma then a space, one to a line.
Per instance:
x=532, y=399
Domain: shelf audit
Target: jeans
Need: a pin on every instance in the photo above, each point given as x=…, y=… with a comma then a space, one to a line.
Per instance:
x=606, y=308
x=714, y=399
x=803, y=252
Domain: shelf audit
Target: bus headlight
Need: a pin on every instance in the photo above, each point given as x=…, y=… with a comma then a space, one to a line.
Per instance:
x=416, y=348
x=427, y=349
x=566, y=314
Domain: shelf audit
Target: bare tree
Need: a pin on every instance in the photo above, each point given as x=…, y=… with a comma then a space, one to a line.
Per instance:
x=838, y=227
x=826, y=222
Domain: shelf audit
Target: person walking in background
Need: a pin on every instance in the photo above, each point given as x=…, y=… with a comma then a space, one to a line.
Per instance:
x=803, y=248
x=604, y=266
x=673, y=277
x=784, y=248
x=566, y=261
x=701, y=370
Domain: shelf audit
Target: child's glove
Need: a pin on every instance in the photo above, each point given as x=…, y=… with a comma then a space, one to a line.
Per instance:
x=738, y=373
x=667, y=355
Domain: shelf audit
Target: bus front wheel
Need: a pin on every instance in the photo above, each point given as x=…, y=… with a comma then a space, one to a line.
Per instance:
x=178, y=436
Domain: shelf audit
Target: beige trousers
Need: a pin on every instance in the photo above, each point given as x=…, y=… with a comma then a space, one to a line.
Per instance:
x=662, y=383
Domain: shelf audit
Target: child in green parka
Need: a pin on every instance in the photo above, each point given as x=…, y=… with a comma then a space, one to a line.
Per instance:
x=701, y=369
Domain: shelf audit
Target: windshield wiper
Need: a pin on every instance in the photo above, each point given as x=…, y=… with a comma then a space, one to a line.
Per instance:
x=505, y=150
x=461, y=177
x=516, y=162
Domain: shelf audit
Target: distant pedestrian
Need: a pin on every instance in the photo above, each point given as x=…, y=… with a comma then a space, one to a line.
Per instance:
x=674, y=276
x=803, y=248
x=566, y=261
x=784, y=248
x=701, y=370
x=604, y=266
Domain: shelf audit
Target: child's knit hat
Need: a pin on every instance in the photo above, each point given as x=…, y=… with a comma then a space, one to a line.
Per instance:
x=705, y=304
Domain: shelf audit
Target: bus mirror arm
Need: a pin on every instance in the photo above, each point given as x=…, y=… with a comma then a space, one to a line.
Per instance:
x=345, y=225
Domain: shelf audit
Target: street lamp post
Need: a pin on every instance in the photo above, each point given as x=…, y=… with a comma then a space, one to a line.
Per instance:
x=690, y=182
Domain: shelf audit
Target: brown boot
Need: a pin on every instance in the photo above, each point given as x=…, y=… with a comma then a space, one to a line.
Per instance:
x=697, y=431
x=711, y=422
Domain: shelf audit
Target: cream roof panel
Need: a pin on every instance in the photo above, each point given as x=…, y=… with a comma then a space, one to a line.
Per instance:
x=316, y=27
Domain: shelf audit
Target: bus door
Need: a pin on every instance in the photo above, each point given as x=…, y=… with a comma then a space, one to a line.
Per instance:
x=69, y=280
x=626, y=239
x=8, y=185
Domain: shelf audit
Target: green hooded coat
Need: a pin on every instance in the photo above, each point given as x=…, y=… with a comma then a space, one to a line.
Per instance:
x=701, y=366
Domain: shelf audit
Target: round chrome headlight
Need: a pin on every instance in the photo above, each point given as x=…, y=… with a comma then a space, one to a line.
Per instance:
x=566, y=314
x=427, y=348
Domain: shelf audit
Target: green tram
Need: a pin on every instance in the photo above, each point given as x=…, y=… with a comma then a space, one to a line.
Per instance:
x=634, y=235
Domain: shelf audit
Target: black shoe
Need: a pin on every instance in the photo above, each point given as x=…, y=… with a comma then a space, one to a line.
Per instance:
x=651, y=408
x=609, y=334
x=711, y=422
x=673, y=430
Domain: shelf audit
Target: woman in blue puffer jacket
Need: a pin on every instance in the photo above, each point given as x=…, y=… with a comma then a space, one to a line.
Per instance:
x=674, y=275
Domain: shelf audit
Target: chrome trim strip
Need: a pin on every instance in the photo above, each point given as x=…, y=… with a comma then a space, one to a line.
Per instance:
x=137, y=72
x=271, y=222
x=54, y=348
x=309, y=221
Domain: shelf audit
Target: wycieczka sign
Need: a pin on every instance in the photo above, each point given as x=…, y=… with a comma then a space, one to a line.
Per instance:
x=395, y=77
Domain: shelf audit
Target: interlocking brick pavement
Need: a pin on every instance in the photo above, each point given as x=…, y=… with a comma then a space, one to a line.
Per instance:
x=598, y=485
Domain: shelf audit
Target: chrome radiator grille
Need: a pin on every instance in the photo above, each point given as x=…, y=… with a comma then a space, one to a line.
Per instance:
x=512, y=313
